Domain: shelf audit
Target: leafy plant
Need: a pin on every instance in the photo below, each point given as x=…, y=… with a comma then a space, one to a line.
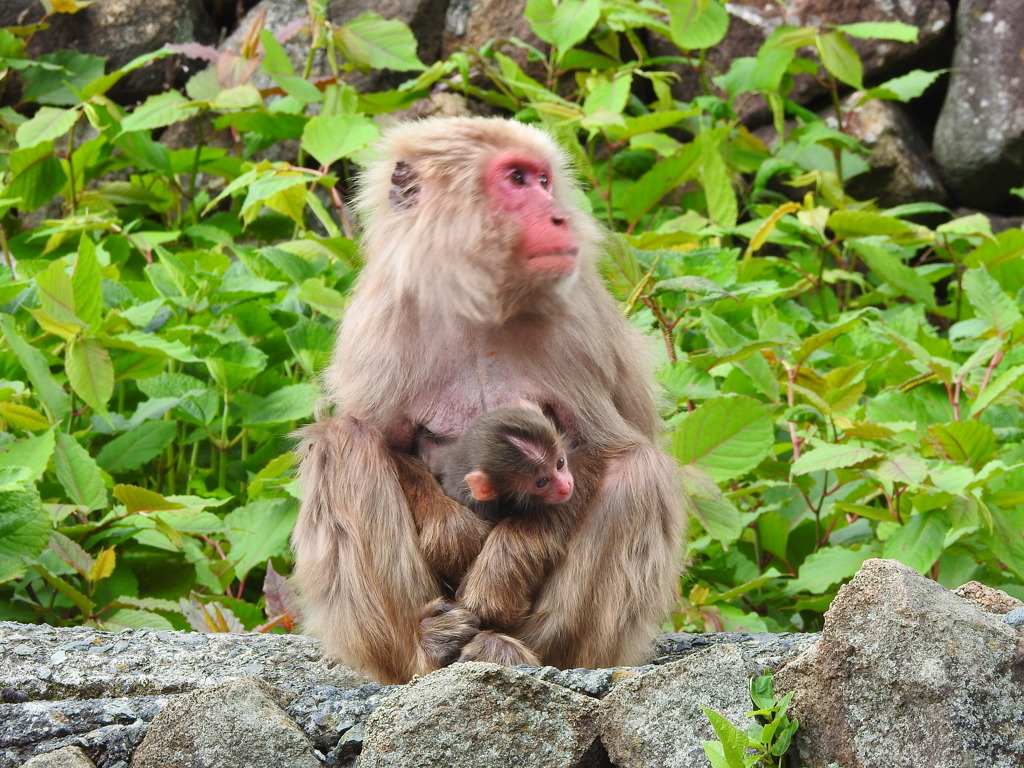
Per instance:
x=843, y=379
x=766, y=739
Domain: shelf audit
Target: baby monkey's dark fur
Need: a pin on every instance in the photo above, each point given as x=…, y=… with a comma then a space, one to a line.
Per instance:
x=510, y=461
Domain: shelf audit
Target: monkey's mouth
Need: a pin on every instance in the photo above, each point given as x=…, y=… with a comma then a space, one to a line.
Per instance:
x=561, y=262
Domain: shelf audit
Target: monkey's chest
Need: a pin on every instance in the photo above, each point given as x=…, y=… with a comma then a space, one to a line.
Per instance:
x=487, y=375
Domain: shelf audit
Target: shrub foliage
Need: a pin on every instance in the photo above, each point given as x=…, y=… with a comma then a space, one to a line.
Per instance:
x=843, y=380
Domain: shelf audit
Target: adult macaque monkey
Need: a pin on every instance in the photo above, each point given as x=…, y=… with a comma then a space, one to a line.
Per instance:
x=479, y=291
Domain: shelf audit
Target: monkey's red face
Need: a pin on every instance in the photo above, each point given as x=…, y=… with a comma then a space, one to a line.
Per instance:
x=520, y=185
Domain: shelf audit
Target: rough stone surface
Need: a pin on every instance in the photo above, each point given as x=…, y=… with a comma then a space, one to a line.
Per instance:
x=240, y=724
x=478, y=716
x=656, y=718
x=907, y=674
x=901, y=166
x=68, y=757
x=472, y=23
x=987, y=598
x=118, y=30
x=979, y=136
x=42, y=662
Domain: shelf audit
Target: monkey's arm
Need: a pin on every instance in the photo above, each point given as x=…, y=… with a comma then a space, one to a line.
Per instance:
x=503, y=580
x=450, y=535
x=358, y=567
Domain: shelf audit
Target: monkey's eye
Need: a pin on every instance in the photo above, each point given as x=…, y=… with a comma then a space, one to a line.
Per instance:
x=542, y=482
x=560, y=463
x=517, y=177
x=544, y=181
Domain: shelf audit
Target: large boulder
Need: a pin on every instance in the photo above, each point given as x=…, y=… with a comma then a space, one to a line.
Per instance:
x=906, y=675
x=979, y=136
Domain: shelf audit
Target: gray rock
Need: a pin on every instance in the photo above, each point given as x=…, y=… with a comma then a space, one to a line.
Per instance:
x=979, y=136
x=901, y=166
x=1015, y=618
x=42, y=662
x=988, y=599
x=108, y=730
x=240, y=724
x=482, y=716
x=907, y=674
x=119, y=30
x=68, y=757
x=656, y=718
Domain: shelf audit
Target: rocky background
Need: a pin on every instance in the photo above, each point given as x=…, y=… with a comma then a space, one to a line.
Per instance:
x=962, y=144
x=905, y=674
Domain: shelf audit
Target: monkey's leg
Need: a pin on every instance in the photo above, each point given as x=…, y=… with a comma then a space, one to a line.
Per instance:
x=604, y=602
x=358, y=567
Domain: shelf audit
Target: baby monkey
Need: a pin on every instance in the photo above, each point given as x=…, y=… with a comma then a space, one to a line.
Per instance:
x=511, y=460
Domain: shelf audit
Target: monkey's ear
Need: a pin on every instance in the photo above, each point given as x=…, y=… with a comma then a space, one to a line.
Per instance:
x=405, y=187
x=480, y=486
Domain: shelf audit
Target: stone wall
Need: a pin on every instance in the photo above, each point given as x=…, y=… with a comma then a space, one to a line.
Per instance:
x=905, y=675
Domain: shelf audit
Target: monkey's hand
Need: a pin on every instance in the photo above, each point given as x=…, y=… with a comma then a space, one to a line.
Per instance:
x=444, y=630
x=450, y=536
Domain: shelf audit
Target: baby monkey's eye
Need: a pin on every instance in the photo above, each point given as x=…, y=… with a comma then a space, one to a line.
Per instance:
x=560, y=463
x=542, y=482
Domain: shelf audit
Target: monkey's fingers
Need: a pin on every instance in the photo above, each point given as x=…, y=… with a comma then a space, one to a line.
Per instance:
x=444, y=630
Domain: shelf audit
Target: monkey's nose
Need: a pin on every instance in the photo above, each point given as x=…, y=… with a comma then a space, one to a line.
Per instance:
x=558, y=221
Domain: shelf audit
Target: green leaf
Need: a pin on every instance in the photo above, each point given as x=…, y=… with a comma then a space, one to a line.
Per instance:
x=22, y=417
x=989, y=300
x=664, y=177
x=36, y=176
x=31, y=454
x=919, y=542
x=37, y=370
x=24, y=530
x=828, y=566
x=725, y=437
x=697, y=24
x=47, y=124
x=860, y=223
x=825, y=457
x=893, y=271
x=159, y=111
x=965, y=442
x=90, y=372
x=259, y=531
x=328, y=139
x=840, y=59
x=139, y=446
x=291, y=403
x=56, y=293
x=564, y=25
x=130, y=618
x=881, y=30
x=370, y=42
x=86, y=284
x=235, y=363
x=54, y=84
x=905, y=87
x=1005, y=382
x=734, y=741
x=79, y=473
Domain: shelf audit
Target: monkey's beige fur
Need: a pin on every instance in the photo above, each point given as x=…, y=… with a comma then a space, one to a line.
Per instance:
x=444, y=325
